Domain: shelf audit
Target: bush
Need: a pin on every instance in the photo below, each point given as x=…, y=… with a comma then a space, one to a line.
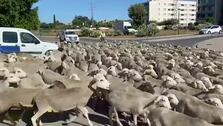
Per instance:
x=149, y=30
x=201, y=26
x=118, y=33
x=153, y=30
x=142, y=31
x=85, y=32
x=95, y=34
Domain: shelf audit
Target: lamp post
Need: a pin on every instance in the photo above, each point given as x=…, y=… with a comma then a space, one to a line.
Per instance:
x=178, y=18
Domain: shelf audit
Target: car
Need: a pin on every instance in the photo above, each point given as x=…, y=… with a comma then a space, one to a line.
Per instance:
x=211, y=29
x=18, y=40
x=69, y=36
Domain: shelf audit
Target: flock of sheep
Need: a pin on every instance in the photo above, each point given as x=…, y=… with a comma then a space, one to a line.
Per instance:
x=158, y=85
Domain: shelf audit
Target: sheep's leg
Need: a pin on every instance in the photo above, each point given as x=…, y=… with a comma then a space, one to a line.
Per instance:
x=116, y=116
x=10, y=118
x=135, y=119
x=71, y=119
x=37, y=115
x=85, y=112
x=110, y=116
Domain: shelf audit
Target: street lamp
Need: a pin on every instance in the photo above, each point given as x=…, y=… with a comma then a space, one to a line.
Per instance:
x=178, y=18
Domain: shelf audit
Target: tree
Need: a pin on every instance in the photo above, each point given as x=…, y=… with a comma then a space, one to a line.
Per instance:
x=19, y=13
x=210, y=20
x=137, y=13
x=81, y=21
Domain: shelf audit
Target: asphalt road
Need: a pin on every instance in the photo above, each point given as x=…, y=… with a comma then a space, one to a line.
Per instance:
x=188, y=40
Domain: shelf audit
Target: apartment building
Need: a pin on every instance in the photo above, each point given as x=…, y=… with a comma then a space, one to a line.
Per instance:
x=210, y=8
x=183, y=10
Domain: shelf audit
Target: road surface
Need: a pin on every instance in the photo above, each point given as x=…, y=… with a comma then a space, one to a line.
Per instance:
x=187, y=40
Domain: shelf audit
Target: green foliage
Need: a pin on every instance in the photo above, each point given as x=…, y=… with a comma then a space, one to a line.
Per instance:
x=153, y=30
x=137, y=13
x=210, y=20
x=85, y=32
x=104, y=24
x=117, y=33
x=169, y=22
x=81, y=21
x=203, y=25
x=142, y=31
x=95, y=34
x=19, y=13
x=149, y=30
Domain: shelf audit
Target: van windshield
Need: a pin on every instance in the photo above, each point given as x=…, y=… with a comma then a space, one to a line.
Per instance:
x=69, y=33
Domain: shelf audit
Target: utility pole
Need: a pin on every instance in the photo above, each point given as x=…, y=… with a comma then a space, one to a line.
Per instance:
x=178, y=16
x=92, y=14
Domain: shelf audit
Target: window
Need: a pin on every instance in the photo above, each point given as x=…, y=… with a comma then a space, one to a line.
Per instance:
x=10, y=37
x=28, y=38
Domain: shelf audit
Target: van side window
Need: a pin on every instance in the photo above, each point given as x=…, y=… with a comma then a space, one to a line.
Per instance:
x=10, y=37
x=28, y=38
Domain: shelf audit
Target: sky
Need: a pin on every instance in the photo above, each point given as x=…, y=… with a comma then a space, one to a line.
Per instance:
x=66, y=10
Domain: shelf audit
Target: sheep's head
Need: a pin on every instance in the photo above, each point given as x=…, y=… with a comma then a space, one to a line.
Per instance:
x=12, y=58
x=20, y=73
x=75, y=77
x=163, y=101
x=214, y=101
x=12, y=78
x=173, y=99
x=100, y=81
x=3, y=72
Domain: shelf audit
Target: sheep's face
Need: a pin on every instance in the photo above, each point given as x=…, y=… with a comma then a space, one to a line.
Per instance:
x=3, y=72
x=173, y=99
x=12, y=78
x=12, y=58
x=20, y=73
x=163, y=101
x=75, y=77
x=100, y=81
x=214, y=101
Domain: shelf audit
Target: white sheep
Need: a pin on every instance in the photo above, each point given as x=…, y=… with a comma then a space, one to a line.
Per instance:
x=12, y=58
x=214, y=101
x=151, y=71
x=20, y=73
x=198, y=84
x=208, y=84
x=173, y=99
x=112, y=71
x=169, y=81
x=163, y=101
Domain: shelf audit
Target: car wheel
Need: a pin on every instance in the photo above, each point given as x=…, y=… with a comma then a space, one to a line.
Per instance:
x=209, y=32
x=220, y=32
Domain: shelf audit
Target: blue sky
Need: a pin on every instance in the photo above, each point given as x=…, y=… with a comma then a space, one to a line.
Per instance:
x=65, y=10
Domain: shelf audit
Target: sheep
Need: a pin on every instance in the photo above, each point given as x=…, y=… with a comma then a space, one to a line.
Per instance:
x=132, y=101
x=169, y=81
x=214, y=101
x=61, y=100
x=151, y=71
x=12, y=58
x=208, y=84
x=112, y=71
x=194, y=107
x=166, y=117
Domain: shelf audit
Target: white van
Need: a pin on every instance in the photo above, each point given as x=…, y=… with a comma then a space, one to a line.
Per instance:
x=17, y=40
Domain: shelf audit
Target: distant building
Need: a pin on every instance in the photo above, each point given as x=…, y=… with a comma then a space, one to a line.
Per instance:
x=210, y=8
x=161, y=10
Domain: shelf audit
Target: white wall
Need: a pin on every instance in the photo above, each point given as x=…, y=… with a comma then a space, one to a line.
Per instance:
x=161, y=10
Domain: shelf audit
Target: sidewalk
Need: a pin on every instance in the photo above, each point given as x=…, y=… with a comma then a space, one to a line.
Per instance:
x=214, y=44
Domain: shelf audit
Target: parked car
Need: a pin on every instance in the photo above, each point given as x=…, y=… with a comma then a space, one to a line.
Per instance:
x=69, y=35
x=211, y=29
x=17, y=40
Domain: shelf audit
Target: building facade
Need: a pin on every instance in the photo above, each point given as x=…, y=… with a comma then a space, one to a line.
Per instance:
x=212, y=9
x=183, y=10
